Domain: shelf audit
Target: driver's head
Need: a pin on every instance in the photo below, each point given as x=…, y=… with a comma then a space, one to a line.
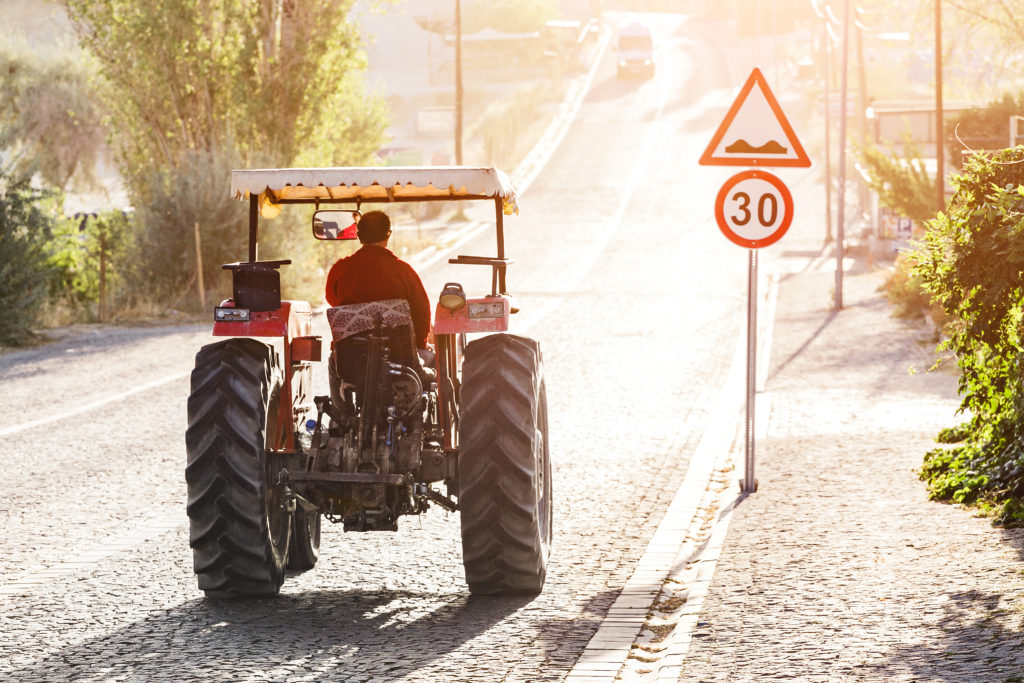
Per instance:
x=373, y=227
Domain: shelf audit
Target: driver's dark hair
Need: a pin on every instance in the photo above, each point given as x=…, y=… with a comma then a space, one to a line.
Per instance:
x=373, y=226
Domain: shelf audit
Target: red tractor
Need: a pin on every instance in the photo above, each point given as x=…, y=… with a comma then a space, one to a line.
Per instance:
x=267, y=461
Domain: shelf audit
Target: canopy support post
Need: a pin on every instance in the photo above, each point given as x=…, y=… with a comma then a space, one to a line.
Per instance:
x=254, y=221
x=499, y=215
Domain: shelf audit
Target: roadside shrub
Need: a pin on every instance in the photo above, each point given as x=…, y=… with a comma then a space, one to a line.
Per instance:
x=899, y=178
x=162, y=248
x=972, y=263
x=905, y=289
x=982, y=127
x=88, y=255
x=25, y=225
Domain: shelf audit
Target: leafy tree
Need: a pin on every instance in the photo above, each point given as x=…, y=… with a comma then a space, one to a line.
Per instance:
x=1001, y=21
x=50, y=117
x=274, y=80
x=25, y=223
x=195, y=87
x=972, y=263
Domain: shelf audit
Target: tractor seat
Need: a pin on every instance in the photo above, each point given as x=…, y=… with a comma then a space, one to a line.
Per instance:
x=353, y=323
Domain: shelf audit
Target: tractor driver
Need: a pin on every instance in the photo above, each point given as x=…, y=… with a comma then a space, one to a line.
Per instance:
x=374, y=273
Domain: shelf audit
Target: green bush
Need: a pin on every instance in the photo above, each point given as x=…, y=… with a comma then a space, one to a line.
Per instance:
x=26, y=221
x=905, y=290
x=88, y=254
x=900, y=179
x=162, y=249
x=981, y=128
x=972, y=263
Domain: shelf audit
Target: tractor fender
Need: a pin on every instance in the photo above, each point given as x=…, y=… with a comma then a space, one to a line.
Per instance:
x=293, y=322
x=486, y=314
x=293, y=319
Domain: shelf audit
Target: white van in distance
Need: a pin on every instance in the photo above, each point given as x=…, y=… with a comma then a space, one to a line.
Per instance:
x=634, y=50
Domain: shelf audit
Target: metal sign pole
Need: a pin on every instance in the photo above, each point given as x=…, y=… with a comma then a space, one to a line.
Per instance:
x=749, y=482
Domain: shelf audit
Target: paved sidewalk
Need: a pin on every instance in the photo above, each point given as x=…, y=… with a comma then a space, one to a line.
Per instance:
x=839, y=567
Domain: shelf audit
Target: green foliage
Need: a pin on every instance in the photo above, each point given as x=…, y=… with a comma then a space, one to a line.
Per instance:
x=510, y=16
x=197, y=87
x=972, y=263
x=983, y=128
x=954, y=434
x=50, y=116
x=900, y=179
x=273, y=81
x=162, y=251
x=26, y=218
x=88, y=253
x=905, y=291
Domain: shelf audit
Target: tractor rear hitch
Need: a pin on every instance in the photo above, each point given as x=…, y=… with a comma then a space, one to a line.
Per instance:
x=435, y=496
x=293, y=500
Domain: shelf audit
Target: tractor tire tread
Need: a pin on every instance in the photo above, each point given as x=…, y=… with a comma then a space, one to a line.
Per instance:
x=228, y=409
x=503, y=546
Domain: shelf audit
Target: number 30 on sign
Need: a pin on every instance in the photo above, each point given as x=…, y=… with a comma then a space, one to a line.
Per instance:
x=754, y=209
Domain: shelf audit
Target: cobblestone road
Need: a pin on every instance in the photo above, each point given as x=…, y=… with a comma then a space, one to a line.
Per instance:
x=636, y=300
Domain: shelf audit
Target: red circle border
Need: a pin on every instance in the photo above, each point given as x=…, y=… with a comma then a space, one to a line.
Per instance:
x=787, y=202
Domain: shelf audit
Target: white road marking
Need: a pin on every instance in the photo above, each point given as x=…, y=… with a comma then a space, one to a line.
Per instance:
x=596, y=247
x=99, y=403
x=534, y=162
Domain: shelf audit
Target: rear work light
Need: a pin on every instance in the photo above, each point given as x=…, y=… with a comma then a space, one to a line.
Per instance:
x=453, y=297
x=487, y=309
x=230, y=315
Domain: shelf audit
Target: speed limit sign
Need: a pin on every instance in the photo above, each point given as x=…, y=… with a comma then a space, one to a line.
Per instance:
x=754, y=209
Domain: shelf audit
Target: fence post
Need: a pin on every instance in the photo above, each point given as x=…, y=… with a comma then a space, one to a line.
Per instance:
x=103, y=273
x=199, y=268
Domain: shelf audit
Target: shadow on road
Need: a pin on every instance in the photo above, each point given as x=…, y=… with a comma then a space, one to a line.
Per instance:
x=826, y=321
x=972, y=647
x=329, y=635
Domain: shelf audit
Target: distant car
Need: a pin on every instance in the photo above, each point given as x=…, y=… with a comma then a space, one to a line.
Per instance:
x=634, y=50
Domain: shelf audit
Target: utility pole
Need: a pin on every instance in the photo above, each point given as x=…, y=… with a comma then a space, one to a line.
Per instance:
x=940, y=185
x=826, y=76
x=458, y=82
x=841, y=218
x=826, y=48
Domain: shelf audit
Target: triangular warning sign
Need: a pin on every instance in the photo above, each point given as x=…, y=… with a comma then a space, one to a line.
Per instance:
x=755, y=132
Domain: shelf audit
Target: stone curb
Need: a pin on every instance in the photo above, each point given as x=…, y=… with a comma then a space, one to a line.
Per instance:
x=669, y=550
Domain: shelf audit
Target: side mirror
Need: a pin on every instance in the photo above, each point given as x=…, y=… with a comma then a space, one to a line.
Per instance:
x=334, y=224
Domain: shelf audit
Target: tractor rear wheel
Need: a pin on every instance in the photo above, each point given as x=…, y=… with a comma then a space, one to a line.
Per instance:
x=239, y=523
x=504, y=466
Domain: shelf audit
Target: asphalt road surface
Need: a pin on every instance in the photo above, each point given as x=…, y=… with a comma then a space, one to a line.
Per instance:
x=637, y=301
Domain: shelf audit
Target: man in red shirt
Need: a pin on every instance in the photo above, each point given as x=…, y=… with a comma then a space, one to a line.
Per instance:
x=374, y=273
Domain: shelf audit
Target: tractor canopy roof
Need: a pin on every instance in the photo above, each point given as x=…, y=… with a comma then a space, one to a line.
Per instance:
x=372, y=184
